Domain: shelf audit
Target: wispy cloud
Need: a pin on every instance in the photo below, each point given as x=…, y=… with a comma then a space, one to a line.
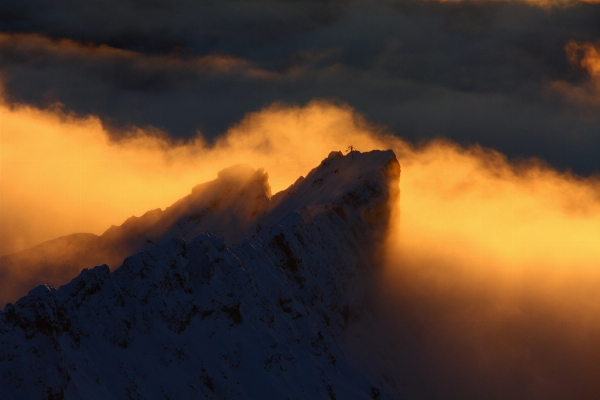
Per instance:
x=492, y=270
x=584, y=57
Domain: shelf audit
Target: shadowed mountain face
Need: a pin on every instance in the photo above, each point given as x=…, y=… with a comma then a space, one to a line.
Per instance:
x=234, y=206
x=263, y=318
x=227, y=207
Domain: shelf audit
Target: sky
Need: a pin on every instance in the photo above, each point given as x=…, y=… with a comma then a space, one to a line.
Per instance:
x=109, y=109
x=521, y=77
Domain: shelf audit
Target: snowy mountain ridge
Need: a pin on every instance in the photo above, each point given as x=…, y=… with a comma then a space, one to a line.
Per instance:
x=262, y=317
x=226, y=206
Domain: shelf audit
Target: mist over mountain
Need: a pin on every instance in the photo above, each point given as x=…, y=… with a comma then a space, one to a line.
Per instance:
x=227, y=207
x=486, y=288
x=261, y=309
x=424, y=69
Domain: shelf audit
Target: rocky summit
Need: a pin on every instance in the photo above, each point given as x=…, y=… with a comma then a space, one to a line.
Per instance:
x=237, y=295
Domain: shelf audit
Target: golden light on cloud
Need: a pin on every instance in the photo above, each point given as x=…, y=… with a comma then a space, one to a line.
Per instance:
x=63, y=174
x=583, y=56
x=520, y=215
x=495, y=261
x=493, y=275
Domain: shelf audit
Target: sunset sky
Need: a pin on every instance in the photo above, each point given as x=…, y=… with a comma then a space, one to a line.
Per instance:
x=111, y=108
x=521, y=77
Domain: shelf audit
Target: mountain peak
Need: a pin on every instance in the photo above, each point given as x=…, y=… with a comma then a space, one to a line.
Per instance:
x=238, y=171
x=239, y=174
x=236, y=205
x=199, y=318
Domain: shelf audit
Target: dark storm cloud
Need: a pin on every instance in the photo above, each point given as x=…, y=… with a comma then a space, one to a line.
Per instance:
x=122, y=86
x=161, y=25
x=474, y=72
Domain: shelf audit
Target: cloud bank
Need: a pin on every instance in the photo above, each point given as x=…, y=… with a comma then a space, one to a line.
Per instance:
x=491, y=272
x=492, y=277
x=474, y=72
x=64, y=173
x=113, y=108
x=585, y=59
x=93, y=180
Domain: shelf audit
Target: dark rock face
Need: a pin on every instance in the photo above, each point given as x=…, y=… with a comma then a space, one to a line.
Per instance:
x=203, y=319
x=226, y=206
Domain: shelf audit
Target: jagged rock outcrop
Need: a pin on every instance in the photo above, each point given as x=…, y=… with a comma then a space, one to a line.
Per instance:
x=203, y=319
x=226, y=206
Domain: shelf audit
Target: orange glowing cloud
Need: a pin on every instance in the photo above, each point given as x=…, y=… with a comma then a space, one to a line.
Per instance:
x=520, y=215
x=493, y=276
x=492, y=268
x=586, y=57
x=63, y=174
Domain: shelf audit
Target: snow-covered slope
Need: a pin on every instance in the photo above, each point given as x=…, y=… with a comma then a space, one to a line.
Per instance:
x=261, y=318
x=226, y=206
